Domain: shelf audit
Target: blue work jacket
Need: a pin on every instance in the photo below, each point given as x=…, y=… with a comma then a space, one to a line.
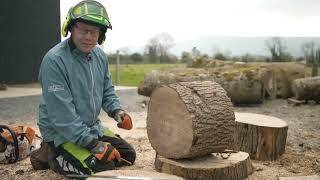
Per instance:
x=75, y=86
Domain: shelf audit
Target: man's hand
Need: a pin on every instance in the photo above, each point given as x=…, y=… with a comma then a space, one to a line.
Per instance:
x=123, y=119
x=104, y=149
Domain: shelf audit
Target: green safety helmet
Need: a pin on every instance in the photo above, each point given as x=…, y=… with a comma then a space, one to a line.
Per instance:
x=91, y=12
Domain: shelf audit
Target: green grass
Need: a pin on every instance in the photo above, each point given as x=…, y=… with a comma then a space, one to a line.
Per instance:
x=133, y=74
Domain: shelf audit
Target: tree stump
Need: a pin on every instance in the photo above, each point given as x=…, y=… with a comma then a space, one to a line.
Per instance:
x=135, y=174
x=236, y=166
x=190, y=119
x=263, y=137
x=307, y=89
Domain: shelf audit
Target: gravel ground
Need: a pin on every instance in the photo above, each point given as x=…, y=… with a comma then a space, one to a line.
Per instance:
x=302, y=156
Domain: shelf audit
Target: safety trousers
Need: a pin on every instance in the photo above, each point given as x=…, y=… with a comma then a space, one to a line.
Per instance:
x=70, y=158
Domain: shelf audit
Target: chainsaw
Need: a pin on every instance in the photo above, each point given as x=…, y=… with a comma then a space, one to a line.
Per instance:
x=15, y=143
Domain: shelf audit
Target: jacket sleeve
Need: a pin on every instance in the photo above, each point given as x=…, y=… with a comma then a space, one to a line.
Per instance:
x=59, y=103
x=110, y=101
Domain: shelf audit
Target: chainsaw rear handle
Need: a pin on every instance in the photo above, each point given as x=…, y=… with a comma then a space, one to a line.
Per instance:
x=15, y=142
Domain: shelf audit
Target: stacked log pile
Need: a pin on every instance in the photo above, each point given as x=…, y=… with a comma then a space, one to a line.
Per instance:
x=245, y=83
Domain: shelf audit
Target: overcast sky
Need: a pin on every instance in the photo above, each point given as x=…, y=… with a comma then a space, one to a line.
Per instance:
x=136, y=21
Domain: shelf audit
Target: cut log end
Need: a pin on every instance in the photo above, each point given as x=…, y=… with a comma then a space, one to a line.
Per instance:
x=167, y=138
x=235, y=166
x=260, y=120
x=263, y=137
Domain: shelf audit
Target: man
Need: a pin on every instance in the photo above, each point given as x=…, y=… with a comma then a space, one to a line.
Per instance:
x=76, y=84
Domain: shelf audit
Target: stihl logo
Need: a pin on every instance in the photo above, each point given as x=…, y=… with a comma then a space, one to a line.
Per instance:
x=55, y=88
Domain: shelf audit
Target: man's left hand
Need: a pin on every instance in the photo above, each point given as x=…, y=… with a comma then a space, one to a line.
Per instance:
x=123, y=119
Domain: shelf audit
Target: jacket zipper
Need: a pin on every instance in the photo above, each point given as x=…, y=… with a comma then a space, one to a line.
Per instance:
x=92, y=87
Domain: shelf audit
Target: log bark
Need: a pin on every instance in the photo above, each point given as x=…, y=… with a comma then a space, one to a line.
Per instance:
x=307, y=89
x=263, y=137
x=135, y=174
x=190, y=119
x=236, y=166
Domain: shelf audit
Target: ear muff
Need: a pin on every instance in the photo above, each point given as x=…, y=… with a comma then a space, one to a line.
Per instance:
x=66, y=23
x=102, y=37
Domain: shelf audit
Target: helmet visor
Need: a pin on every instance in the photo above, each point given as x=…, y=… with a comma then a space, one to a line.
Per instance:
x=91, y=11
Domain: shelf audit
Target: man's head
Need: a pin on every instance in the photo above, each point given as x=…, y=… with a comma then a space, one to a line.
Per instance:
x=84, y=21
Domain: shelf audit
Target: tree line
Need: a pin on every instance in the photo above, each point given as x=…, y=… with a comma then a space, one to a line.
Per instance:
x=157, y=50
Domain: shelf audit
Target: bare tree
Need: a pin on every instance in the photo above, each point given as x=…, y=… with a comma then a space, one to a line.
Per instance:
x=186, y=57
x=158, y=47
x=312, y=56
x=195, y=53
x=277, y=48
x=151, y=50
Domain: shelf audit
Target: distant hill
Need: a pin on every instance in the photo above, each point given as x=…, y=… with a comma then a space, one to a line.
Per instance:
x=241, y=45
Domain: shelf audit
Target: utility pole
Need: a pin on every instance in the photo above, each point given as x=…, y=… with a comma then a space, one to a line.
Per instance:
x=118, y=69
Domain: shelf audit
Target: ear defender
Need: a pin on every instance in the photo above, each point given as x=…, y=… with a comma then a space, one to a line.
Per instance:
x=64, y=29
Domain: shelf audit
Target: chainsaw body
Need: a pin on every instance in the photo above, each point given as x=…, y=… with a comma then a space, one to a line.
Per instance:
x=15, y=143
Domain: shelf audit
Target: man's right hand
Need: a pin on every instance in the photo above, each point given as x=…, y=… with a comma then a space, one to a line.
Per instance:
x=104, y=149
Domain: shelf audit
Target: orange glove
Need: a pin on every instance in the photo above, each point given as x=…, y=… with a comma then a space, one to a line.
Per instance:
x=123, y=119
x=104, y=149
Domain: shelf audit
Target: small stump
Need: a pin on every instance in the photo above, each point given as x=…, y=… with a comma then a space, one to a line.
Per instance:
x=263, y=137
x=215, y=166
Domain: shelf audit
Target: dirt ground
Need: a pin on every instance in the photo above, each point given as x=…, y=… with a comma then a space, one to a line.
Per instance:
x=302, y=156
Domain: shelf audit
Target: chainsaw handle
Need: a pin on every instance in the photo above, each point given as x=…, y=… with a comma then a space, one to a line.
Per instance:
x=15, y=142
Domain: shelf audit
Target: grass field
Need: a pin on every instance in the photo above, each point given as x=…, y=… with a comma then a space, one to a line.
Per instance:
x=133, y=74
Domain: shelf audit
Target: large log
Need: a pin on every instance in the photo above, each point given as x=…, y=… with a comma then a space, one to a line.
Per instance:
x=283, y=75
x=307, y=89
x=263, y=137
x=155, y=78
x=245, y=84
x=190, y=119
x=216, y=166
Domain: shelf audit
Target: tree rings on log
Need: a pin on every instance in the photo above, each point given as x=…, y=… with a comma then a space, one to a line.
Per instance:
x=132, y=174
x=263, y=137
x=214, y=166
x=190, y=119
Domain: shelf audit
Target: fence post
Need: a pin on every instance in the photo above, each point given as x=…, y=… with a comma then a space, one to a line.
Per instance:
x=118, y=69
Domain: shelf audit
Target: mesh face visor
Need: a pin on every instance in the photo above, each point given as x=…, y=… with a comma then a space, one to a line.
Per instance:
x=91, y=11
